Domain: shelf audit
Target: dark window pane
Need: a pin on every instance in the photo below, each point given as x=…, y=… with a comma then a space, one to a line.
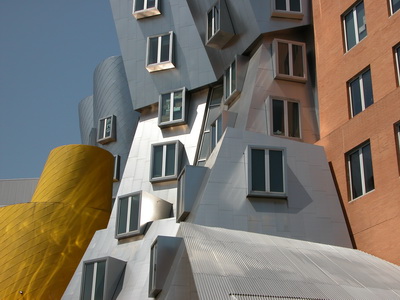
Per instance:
x=157, y=161
x=258, y=170
x=122, y=215
x=297, y=55
x=165, y=48
x=205, y=148
x=368, y=172
x=355, y=173
x=151, y=3
x=216, y=19
x=362, y=27
x=213, y=136
x=283, y=58
x=153, y=49
x=177, y=106
x=280, y=4
x=227, y=83
x=395, y=5
x=88, y=281
x=165, y=107
x=99, y=288
x=293, y=119
x=355, y=96
x=295, y=5
x=278, y=119
x=350, y=30
x=216, y=96
x=219, y=128
x=134, y=220
x=108, y=127
x=210, y=24
x=367, y=86
x=233, y=77
x=101, y=129
x=276, y=171
x=170, y=163
x=139, y=5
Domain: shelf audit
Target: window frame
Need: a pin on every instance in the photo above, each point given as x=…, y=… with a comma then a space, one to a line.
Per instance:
x=230, y=82
x=396, y=50
x=359, y=78
x=287, y=13
x=146, y=11
x=359, y=149
x=290, y=76
x=102, y=138
x=128, y=233
x=391, y=8
x=117, y=168
x=215, y=21
x=93, y=279
x=267, y=193
x=397, y=139
x=177, y=154
x=160, y=65
x=216, y=131
x=286, y=117
x=353, y=10
x=171, y=121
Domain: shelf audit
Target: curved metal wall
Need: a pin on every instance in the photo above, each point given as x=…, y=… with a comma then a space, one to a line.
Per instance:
x=86, y=122
x=43, y=241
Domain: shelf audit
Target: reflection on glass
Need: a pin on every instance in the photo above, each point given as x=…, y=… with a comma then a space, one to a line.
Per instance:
x=157, y=161
x=99, y=287
x=283, y=58
x=153, y=49
x=134, y=215
x=122, y=215
x=170, y=160
x=165, y=48
x=297, y=55
x=177, y=114
x=293, y=119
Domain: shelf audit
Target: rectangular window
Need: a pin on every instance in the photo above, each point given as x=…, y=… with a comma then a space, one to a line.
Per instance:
x=213, y=21
x=93, y=280
x=355, y=28
x=106, y=133
x=397, y=61
x=159, y=52
x=397, y=133
x=153, y=270
x=216, y=132
x=145, y=8
x=230, y=80
x=165, y=161
x=361, y=92
x=172, y=108
x=360, y=169
x=287, y=9
x=290, y=60
x=128, y=212
x=219, y=26
x=285, y=118
x=117, y=161
x=266, y=172
x=394, y=6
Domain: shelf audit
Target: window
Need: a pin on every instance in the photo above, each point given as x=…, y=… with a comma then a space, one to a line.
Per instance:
x=394, y=6
x=361, y=92
x=397, y=133
x=165, y=161
x=106, y=130
x=285, y=118
x=266, y=172
x=219, y=26
x=230, y=80
x=287, y=9
x=354, y=25
x=145, y=8
x=172, y=108
x=159, y=52
x=397, y=59
x=290, y=60
x=213, y=20
x=117, y=162
x=153, y=270
x=216, y=131
x=360, y=169
x=128, y=212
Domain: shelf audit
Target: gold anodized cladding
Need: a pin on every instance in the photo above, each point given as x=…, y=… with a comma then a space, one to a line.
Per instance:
x=42, y=242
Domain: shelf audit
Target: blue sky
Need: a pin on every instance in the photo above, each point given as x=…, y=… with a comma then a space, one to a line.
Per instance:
x=48, y=52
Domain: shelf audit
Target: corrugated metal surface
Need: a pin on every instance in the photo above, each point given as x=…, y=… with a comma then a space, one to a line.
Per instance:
x=230, y=264
x=13, y=191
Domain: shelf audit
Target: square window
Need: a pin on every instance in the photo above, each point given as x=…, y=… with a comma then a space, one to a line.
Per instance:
x=355, y=27
x=360, y=171
x=285, y=118
x=397, y=61
x=219, y=26
x=360, y=90
x=145, y=8
x=106, y=130
x=165, y=161
x=267, y=175
x=172, y=108
x=290, y=60
x=128, y=213
x=117, y=162
x=287, y=9
x=159, y=52
x=394, y=6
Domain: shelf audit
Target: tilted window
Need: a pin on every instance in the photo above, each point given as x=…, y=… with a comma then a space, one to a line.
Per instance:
x=267, y=175
x=360, y=171
x=290, y=60
x=213, y=20
x=216, y=131
x=165, y=161
x=230, y=80
x=128, y=213
x=117, y=162
x=397, y=133
x=145, y=8
x=355, y=27
x=219, y=26
x=285, y=118
x=397, y=60
x=172, y=108
x=106, y=133
x=394, y=6
x=159, y=52
x=361, y=92
x=287, y=9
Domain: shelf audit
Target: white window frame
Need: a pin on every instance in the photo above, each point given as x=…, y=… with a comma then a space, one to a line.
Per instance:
x=397, y=61
x=285, y=133
x=362, y=96
x=353, y=10
x=171, y=121
x=287, y=13
x=164, y=177
x=102, y=137
x=215, y=11
x=290, y=76
x=128, y=232
x=229, y=80
x=146, y=11
x=267, y=192
x=361, y=170
x=94, y=277
x=391, y=8
x=216, y=130
x=153, y=268
x=160, y=65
